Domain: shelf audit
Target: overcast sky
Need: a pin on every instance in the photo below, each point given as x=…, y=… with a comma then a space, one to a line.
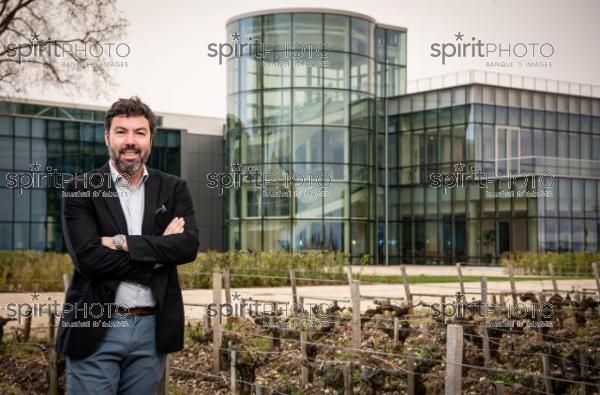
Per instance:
x=169, y=67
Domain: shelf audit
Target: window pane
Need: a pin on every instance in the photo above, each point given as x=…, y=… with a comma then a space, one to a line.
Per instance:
x=6, y=126
x=251, y=235
x=277, y=107
x=251, y=145
x=336, y=107
x=22, y=127
x=251, y=72
x=336, y=200
x=277, y=235
x=308, y=31
x=360, y=73
x=336, y=145
x=6, y=159
x=277, y=145
x=307, y=204
x=308, y=235
x=250, y=109
x=396, y=47
x=276, y=200
x=308, y=143
x=277, y=29
x=21, y=236
x=337, y=32
x=22, y=153
x=337, y=71
x=360, y=37
x=361, y=109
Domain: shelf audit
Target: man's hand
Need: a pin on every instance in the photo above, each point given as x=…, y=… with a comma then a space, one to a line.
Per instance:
x=175, y=226
x=107, y=241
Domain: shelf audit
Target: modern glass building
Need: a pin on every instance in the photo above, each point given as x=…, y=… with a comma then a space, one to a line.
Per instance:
x=495, y=163
x=305, y=104
x=465, y=171
x=40, y=140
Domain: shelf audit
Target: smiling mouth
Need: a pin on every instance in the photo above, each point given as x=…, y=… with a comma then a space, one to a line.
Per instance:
x=130, y=155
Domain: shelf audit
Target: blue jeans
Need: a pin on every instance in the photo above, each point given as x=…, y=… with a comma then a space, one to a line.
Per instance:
x=126, y=361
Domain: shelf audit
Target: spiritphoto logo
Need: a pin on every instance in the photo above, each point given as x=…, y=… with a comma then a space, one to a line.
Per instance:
x=77, y=55
x=284, y=314
x=40, y=176
x=272, y=53
x=285, y=183
x=525, y=184
x=514, y=54
x=84, y=313
x=460, y=308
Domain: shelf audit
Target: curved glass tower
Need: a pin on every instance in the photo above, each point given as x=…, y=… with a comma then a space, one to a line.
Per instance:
x=302, y=128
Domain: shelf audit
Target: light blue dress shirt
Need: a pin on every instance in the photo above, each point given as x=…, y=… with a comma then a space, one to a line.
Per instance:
x=132, y=202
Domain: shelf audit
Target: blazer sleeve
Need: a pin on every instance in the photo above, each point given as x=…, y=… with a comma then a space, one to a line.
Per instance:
x=173, y=249
x=84, y=243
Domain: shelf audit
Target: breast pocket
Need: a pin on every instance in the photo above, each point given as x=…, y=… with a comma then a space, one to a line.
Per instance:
x=163, y=216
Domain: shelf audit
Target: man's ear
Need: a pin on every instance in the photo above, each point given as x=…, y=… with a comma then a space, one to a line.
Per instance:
x=106, y=137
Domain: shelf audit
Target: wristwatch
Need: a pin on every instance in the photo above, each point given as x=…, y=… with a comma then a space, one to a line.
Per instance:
x=118, y=241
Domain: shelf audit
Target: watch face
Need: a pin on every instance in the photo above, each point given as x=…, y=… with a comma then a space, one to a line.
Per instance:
x=118, y=240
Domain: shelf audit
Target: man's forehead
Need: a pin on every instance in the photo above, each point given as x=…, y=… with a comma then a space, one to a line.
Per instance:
x=130, y=121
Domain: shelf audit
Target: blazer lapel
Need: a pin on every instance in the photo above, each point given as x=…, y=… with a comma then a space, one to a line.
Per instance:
x=151, y=197
x=111, y=198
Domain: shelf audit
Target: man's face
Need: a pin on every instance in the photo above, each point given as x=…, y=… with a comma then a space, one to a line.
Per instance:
x=129, y=141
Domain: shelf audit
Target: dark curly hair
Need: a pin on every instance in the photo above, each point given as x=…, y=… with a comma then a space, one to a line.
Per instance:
x=133, y=106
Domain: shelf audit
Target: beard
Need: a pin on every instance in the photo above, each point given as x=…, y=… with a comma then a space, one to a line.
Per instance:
x=128, y=166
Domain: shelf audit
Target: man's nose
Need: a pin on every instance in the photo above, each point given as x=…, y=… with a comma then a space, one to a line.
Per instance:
x=129, y=139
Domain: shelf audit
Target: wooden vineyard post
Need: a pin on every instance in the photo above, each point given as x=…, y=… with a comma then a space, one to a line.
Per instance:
x=410, y=374
x=583, y=364
x=233, y=371
x=407, y=293
x=217, y=328
x=349, y=273
x=396, y=330
x=51, y=325
x=293, y=285
x=460, y=278
x=513, y=287
x=227, y=285
x=306, y=371
x=454, y=353
x=547, y=379
x=27, y=328
x=355, y=297
x=484, y=331
x=53, y=366
x=554, y=284
x=348, y=387
x=499, y=387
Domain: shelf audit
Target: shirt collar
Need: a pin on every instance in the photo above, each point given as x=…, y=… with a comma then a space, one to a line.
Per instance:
x=116, y=176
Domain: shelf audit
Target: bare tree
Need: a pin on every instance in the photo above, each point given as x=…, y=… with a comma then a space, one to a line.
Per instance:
x=67, y=44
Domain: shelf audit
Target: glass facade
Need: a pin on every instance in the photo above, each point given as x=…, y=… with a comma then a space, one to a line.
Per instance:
x=478, y=170
x=307, y=106
x=38, y=140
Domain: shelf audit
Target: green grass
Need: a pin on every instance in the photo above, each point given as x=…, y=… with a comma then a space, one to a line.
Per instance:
x=426, y=279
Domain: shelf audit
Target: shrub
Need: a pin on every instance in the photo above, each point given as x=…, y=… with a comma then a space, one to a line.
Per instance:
x=565, y=263
x=33, y=270
x=42, y=271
